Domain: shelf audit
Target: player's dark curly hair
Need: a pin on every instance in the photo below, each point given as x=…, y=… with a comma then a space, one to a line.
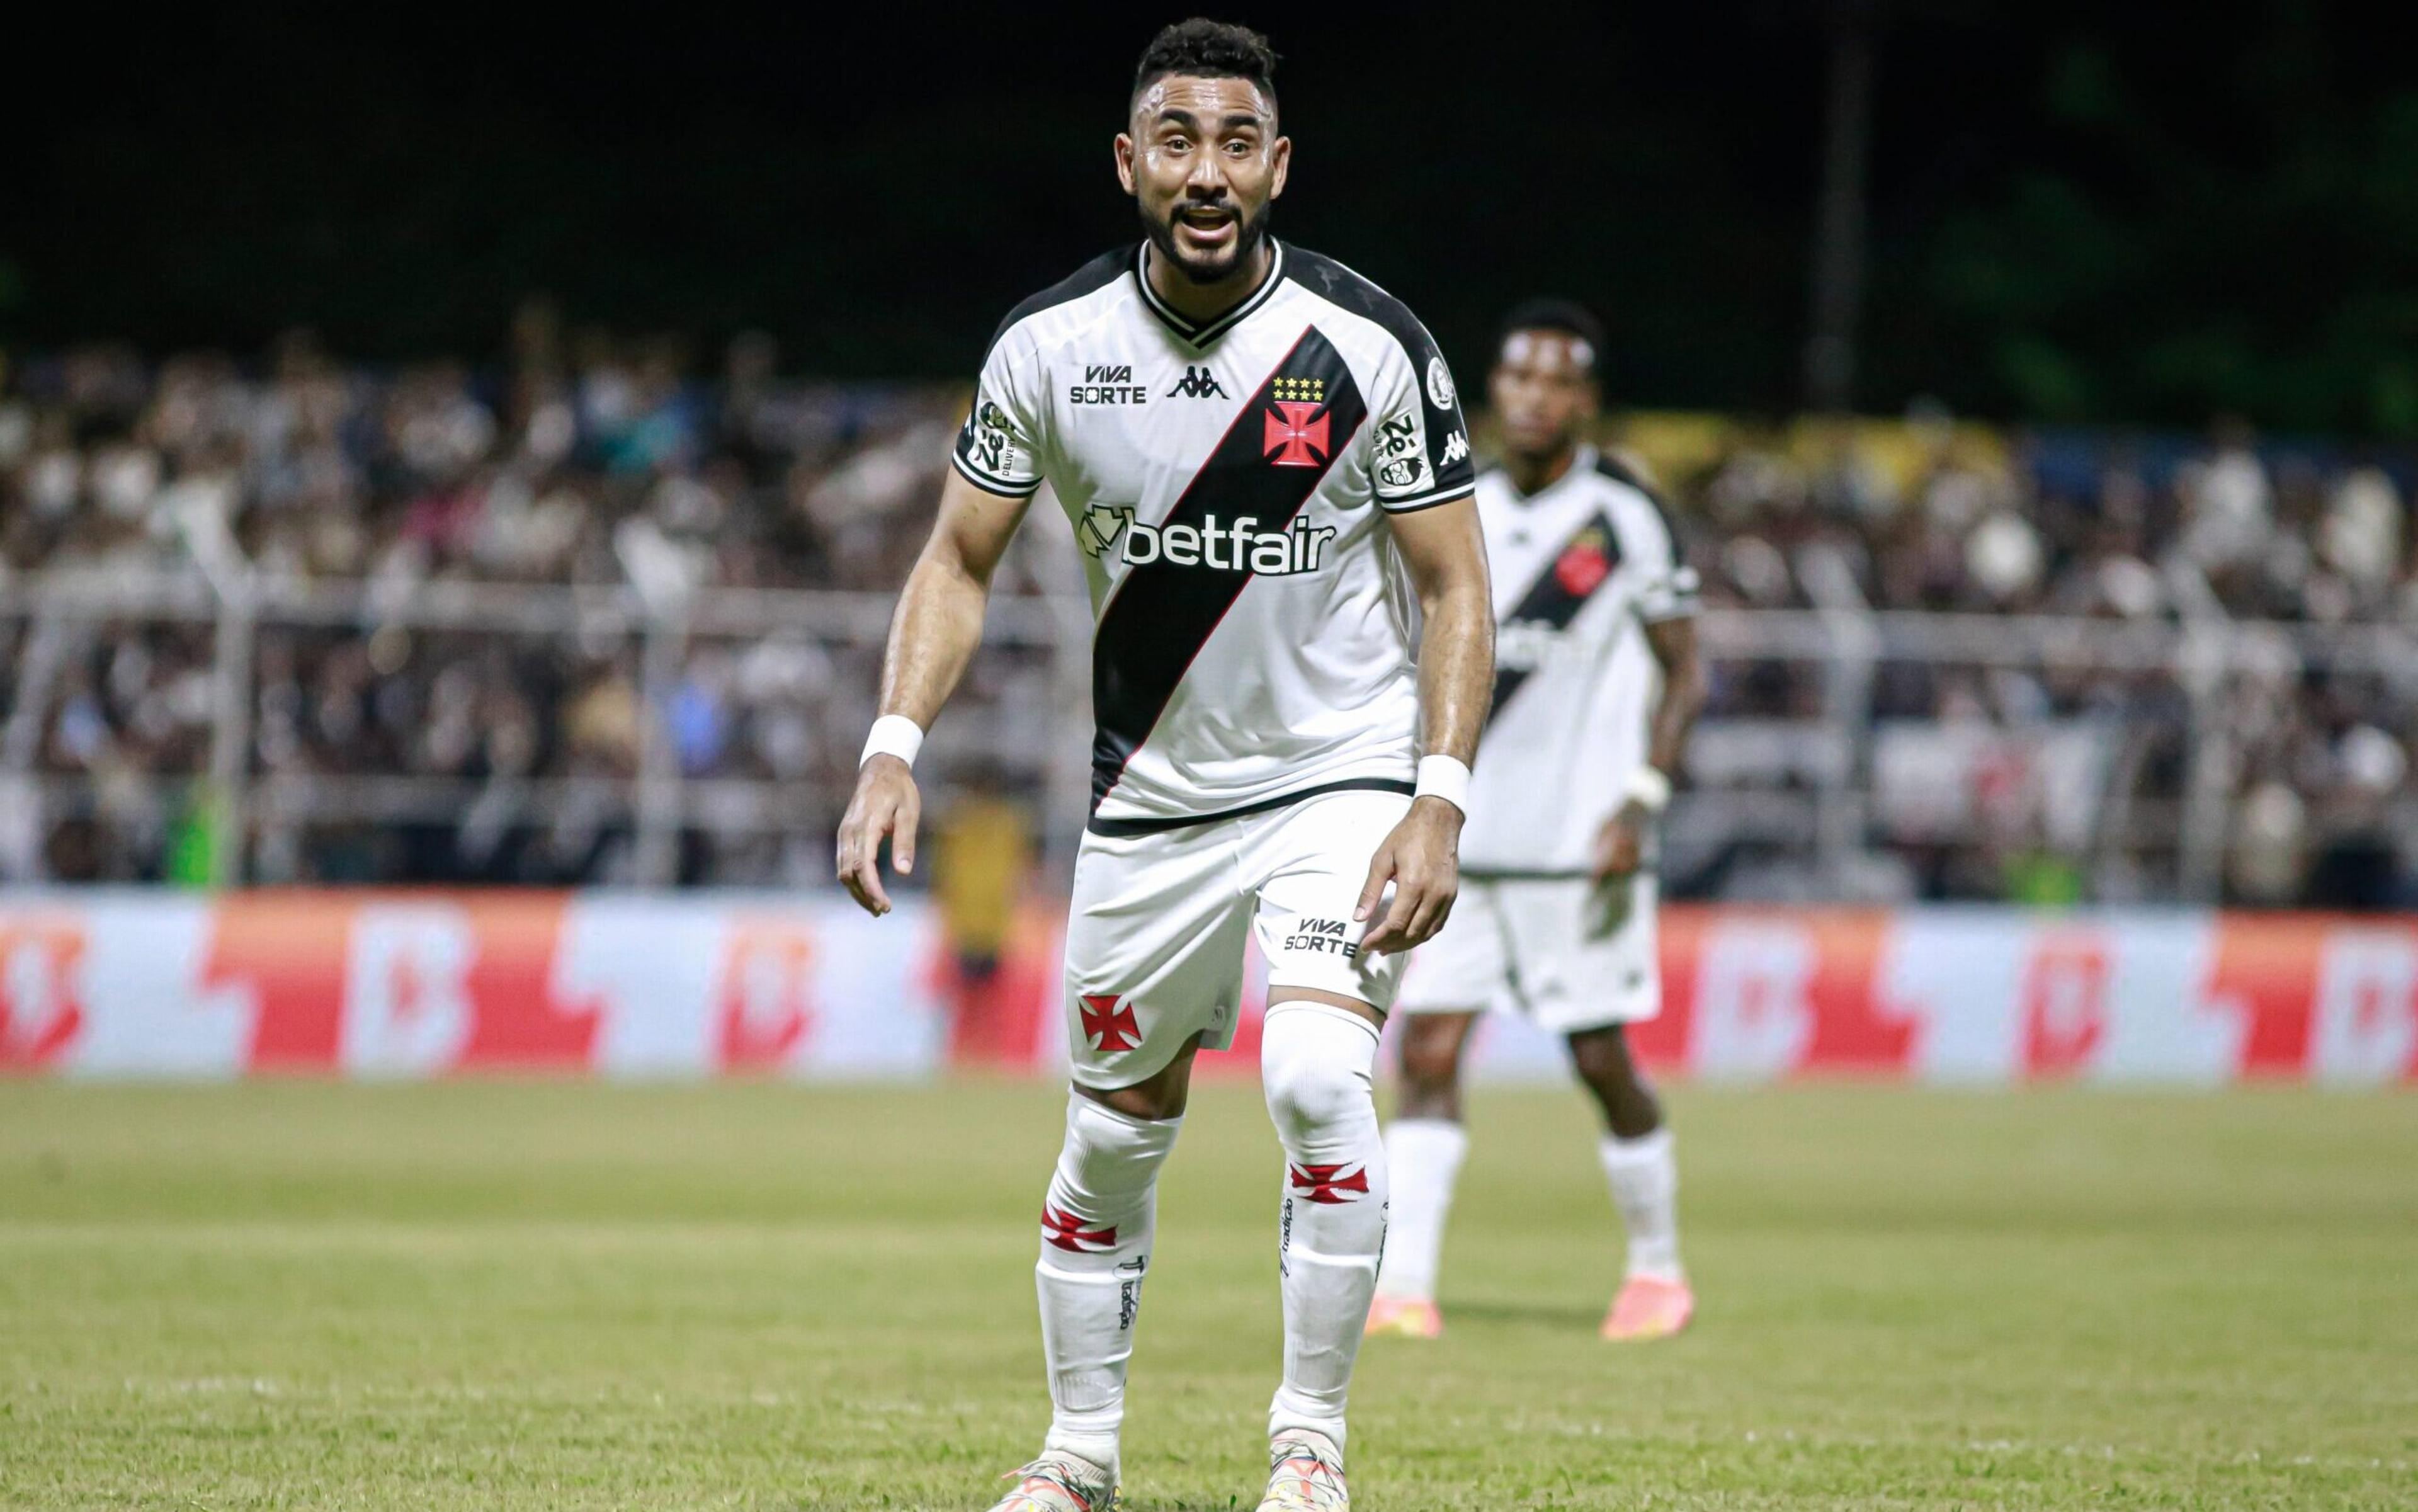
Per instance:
x=1566, y=316
x=1209, y=49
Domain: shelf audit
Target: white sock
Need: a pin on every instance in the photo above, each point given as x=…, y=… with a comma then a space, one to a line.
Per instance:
x=1645, y=1180
x=1318, y=1064
x=1422, y=1160
x=1096, y=1231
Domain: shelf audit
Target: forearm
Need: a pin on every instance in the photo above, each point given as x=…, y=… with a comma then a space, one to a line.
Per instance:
x=1675, y=717
x=1622, y=846
x=933, y=637
x=1680, y=700
x=1456, y=680
x=1455, y=668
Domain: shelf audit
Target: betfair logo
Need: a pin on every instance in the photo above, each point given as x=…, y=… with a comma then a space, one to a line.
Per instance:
x=1098, y=528
x=1239, y=547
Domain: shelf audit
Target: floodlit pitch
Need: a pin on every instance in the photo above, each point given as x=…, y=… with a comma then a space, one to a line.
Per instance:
x=503, y=1295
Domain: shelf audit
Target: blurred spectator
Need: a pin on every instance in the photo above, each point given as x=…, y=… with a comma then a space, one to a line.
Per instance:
x=982, y=861
x=589, y=461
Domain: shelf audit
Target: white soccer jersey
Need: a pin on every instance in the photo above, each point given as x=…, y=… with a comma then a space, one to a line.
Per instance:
x=1579, y=570
x=1253, y=629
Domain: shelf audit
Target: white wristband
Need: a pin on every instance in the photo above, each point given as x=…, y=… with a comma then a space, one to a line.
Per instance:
x=1444, y=777
x=1649, y=789
x=892, y=735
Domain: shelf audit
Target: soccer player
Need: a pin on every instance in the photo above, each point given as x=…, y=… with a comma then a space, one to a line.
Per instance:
x=1264, y=461
x=1596, y=685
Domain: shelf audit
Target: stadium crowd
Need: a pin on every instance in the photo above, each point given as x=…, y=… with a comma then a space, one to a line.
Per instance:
x=581, y=459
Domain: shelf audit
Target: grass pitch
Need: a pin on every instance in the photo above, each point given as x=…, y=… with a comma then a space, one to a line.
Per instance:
x=565, y=1296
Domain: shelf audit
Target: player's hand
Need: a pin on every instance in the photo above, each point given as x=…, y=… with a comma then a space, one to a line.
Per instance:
x=1620, y=845
x=1422, y=859
x=886, y=803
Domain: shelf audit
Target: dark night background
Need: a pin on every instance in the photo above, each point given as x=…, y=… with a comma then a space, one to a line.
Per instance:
x=2077, y=211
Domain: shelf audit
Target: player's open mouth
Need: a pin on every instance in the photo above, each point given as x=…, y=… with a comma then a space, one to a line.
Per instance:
x=1206, y=229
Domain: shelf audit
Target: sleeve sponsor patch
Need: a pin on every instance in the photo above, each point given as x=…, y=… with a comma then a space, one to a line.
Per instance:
x=1441, y=392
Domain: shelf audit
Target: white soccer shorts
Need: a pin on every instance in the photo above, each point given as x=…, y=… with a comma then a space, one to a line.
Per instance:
x=1536, y=946
x=1155, y=929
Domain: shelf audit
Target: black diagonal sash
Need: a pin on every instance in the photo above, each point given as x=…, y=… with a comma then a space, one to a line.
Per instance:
x=1267, y=465
x=1575, y=574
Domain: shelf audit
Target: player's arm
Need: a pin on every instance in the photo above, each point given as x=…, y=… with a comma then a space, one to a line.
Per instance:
x=1446, y=554
x=932, y=636
x=1621, y=846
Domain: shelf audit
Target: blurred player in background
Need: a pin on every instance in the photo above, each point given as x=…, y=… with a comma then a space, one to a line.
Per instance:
x=982, y=862
x=1265, y=463
x=1596, y=685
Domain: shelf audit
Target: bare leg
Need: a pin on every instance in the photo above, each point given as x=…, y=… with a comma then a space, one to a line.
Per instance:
x=1423, y=1152
x=1638, y=1163
x=1431, y=1046
x=1602, y=1056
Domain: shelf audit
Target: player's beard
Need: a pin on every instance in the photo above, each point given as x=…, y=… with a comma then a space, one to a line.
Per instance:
x=1249, y=237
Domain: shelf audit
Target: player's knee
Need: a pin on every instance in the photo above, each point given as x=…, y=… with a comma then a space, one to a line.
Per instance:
x=1315, y=1065
x=1305, y=1095
x=1602, y=1060
x=1110, y=1153
x=1431, y=1065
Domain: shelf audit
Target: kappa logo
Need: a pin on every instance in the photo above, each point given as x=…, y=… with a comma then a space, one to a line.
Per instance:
x=1197, y=383
x=1065, y=1230
x=1291, y=437
x=1455, y=446
x=1329, y=1184
x=1109, y=1023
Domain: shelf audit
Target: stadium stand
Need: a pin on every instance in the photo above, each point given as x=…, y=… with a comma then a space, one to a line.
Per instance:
x=449, y=573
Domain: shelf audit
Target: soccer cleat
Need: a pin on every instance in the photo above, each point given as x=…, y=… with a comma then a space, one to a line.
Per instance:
x=1058, y=1482
x=1404, y=1317
x=1649, y=1307
x=1305, y=1474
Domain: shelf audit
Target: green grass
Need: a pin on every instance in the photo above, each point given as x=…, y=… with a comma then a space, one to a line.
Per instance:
x=561, y=1296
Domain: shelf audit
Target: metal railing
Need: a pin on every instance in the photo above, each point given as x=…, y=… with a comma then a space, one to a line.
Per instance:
x=1827, y=815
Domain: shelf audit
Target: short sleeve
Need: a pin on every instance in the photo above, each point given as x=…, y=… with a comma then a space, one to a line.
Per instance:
x=1418, y=442
x=1667, y=586
x=999, y=447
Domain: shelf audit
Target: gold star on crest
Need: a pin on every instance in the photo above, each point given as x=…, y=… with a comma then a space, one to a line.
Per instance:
x=1309, y=391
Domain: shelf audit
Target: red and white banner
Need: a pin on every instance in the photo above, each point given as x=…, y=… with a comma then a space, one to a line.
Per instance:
x=401, y=984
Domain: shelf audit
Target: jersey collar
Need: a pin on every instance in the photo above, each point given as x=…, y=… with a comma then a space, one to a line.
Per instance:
x=1583, y=459
x=1196, y=333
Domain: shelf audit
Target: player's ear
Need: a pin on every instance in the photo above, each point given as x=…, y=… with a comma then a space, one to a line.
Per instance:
x=1282, y=153
x=1125, y=150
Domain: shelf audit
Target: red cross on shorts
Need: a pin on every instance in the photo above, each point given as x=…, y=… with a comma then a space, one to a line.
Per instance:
x=1303, y=440
x=1320, y=1183
x=1065, y=1230
x=1109, y=1025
